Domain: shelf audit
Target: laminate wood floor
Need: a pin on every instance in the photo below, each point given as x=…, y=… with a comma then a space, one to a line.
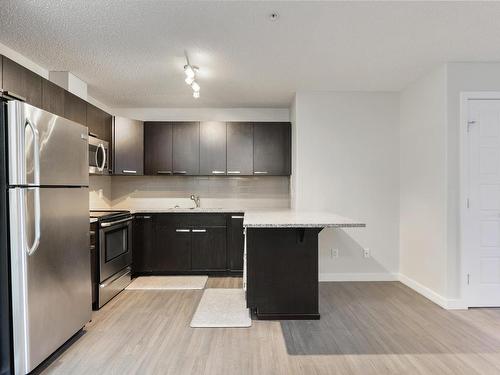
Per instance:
x=365, y=328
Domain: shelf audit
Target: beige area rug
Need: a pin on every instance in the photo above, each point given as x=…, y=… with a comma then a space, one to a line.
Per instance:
x=168, y=282
x=222, y=308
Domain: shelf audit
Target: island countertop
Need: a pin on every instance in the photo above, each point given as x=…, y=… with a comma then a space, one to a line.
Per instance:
x=297, y=219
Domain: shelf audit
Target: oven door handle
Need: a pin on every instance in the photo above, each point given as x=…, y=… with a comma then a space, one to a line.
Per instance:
x=105, y=225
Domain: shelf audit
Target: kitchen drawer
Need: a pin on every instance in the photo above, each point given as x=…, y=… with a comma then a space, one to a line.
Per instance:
x=193, y=220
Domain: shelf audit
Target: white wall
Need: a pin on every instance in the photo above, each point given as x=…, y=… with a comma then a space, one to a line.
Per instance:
x=423, y=182
x=204, y=114
x=346, y=161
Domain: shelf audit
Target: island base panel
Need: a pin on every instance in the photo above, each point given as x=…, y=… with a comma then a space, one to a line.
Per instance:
x=282, y=265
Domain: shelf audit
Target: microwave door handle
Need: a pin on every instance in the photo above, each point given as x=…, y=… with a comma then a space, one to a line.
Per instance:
x=36, y=242
x=101, y=147
x=96, y=158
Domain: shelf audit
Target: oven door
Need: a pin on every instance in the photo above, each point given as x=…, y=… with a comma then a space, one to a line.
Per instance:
x=98, y=156
x=115, y=247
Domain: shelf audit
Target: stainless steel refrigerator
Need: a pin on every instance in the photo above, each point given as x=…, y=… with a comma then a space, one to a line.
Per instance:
x=49, y=231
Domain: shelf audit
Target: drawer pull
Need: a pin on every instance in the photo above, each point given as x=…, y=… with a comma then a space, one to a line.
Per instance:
x=129, y=171
x=180, y=172
x=199, y=230
x=260, y=172
x=218, y=172
x=237, y=217
x=163, y=172
x=182, y=230
x=233, y=172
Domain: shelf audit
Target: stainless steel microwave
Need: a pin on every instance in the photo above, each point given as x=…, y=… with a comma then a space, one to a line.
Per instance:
x=98, y=156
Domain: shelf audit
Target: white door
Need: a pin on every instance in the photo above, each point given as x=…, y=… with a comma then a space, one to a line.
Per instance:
x=482, y=217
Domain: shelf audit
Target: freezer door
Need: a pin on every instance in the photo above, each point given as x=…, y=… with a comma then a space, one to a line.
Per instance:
x=45, y=149
x=51, y=288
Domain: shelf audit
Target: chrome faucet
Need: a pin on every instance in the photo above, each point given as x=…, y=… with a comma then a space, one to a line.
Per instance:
x=196, y=200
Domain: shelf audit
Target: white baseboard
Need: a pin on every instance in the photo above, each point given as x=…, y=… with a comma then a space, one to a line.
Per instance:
x=358, y=277
x=445, y=303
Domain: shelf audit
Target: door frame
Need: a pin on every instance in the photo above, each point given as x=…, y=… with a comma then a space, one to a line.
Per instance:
x=465, y=97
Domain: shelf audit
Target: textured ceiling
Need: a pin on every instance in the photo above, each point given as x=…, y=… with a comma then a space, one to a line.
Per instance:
x=131, y=52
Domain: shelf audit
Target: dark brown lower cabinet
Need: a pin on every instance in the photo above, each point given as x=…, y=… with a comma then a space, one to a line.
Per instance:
x=235, y=242
x=208, y=251
x=183, y=243
x=143, y=252
x=282, y=268
x=172, y=247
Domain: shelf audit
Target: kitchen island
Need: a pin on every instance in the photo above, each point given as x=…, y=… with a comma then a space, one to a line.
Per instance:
x=281, y=261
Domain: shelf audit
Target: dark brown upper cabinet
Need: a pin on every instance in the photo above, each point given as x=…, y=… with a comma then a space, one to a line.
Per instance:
x=19, y=81
x=99, y=122
x=128, y=147
x=212, y=148
x=272, y=149
x=75, y=108
x=158, y=148
x=186, y=148
x=239, y=148
x=52, y=98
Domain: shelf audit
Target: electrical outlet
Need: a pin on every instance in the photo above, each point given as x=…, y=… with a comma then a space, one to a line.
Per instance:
x=366, y=252
x=334, y=253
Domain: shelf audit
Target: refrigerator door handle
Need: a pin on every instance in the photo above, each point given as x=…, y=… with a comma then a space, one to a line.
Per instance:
x=36, y=152
x=36, y=242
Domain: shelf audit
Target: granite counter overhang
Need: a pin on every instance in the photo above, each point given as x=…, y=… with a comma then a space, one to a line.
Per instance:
x=298, y=219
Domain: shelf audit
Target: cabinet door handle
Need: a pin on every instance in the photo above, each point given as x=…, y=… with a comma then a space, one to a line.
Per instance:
x=180, y=172
x=233, y=172
x=199, y=230
x=237, y=217
x=163, y=172
x=129, y=171
x=260, y=172
x=218, y=172
x=182, y=230
x=143, y=217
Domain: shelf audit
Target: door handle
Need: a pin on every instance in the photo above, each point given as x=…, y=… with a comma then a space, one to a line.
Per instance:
x=199, y=230
x=36, y=153
x=105, y=225
x=182, y=230
x=101, y=147
x=129, y=171
x=36, y=242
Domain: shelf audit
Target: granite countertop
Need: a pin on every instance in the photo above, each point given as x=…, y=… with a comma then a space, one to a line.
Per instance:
x=297, y=219
x=187, y=210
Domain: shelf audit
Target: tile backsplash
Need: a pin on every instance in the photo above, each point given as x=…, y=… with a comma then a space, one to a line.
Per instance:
x=157, y=192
